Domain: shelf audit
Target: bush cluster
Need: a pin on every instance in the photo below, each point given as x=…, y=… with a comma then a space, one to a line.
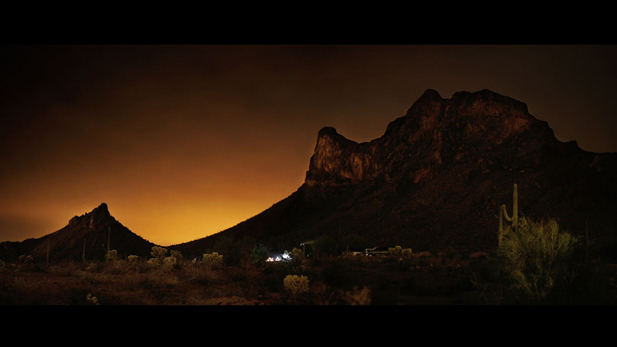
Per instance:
x=212, y=259
x=400, y=252
x=296, y=285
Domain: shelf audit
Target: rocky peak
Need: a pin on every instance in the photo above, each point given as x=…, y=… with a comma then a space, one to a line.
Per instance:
x=101, y=211
x=96, y=218
x=434, y=132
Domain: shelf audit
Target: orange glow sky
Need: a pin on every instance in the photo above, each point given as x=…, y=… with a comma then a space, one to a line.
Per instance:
x=184, y=141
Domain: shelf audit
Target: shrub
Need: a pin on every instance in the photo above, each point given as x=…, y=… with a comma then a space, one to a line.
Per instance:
x=297, y=257
x=357, y=296
x=132, y=258
x=400, y=252
x=111, y=255
x=259, y=254
x=535, y=259
x=176, y=254
x=158, y=253
x=296, y=285
x=396, y=251
x=92, y=299
x=407, y=253
x=212, y=259
x=425, y=254
x=170, y=261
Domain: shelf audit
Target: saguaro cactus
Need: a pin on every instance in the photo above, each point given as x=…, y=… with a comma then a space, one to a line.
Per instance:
x=504, y=213
x=108, y=242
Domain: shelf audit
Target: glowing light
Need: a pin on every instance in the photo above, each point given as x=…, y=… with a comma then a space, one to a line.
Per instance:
x=279, y=257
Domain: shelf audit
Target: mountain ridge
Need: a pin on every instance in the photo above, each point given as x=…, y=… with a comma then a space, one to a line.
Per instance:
x=435, y=179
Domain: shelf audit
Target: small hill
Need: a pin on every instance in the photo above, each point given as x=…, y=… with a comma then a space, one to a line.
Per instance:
x=93, y=229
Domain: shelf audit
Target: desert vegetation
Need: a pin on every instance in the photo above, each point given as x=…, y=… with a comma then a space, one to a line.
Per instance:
x=167, y=278
x=538, y=265
x=535, y=262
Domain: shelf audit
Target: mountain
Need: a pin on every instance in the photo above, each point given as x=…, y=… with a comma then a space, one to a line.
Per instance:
x=94, y=228
x=436, y=179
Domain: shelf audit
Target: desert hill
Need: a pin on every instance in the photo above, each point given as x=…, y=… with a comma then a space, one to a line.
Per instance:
x=94, y=229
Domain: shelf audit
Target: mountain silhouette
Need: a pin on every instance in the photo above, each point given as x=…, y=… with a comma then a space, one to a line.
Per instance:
x=436, y=179
x=93, y=229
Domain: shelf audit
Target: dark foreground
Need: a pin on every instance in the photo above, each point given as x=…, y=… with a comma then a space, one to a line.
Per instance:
x=342, y=280
x=351, y=280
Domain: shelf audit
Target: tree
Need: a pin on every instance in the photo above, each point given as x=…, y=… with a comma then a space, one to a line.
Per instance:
x=259, y=254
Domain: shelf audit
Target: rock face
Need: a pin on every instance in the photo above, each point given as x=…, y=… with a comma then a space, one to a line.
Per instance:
x=436, y=179
x=94, y=229
x=435, y=132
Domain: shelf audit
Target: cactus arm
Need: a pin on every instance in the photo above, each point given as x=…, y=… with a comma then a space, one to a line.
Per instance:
x=505, y=213
x=500, y=236
x=500, y=220
x=515, y=207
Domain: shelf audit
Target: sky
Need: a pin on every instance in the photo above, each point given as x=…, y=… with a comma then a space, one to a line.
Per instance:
x=183, y=141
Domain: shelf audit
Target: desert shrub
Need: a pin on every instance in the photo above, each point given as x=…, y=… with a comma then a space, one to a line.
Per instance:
x=407, y=253
x=296, y=285
x=213, y=259
x=91, y=299
x=535, y=260
x=111, y=255
x=202, y=275
x=425, y=254
x=176, y=254
x=396, y=251
x=92, y=266
x=322, y=294
x=132, y=258
x=170, y=261
x=158, y=253
x=400, y=252
x=273, y=274
x=297, y=257
x=357, y=296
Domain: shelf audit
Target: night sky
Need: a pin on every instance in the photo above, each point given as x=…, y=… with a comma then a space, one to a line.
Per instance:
x=183, y=141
